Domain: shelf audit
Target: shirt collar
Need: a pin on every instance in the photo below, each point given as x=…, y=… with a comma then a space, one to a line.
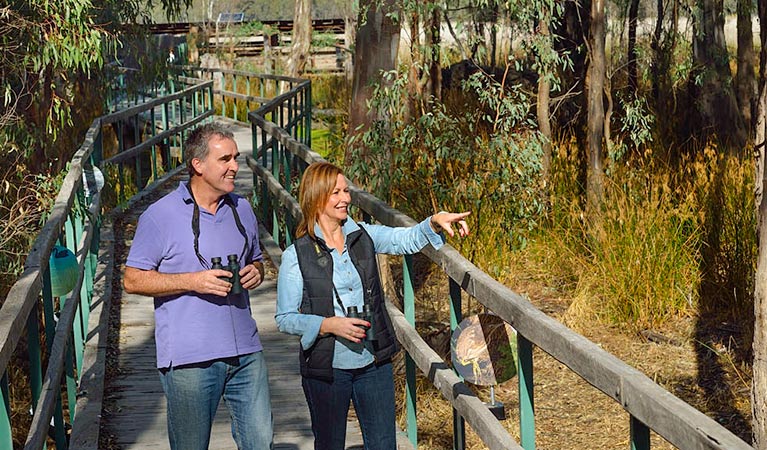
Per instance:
x=187, y=197
x=348, y=227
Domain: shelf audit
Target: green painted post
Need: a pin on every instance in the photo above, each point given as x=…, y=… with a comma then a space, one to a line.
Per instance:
x=247, y=102
x=526, y=403
x=35, y=360
x=73, y=237
x=456, y=316
x=50, y=331
x=6, y=436
x=223, y=97
x=137, y=140
x=264, y=190
x=153, y=154
x=308, y=115
x=167, y=141
x=71, y=381
x=409, y=310
x=234, y=89
x=276, y=174
x=640, y=435
x=286, y=173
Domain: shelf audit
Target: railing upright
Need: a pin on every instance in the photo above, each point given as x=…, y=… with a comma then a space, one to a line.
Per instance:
x=456, y=316
x=6, y=436
x=410, y=375
x=640, y=434
x=526, y=403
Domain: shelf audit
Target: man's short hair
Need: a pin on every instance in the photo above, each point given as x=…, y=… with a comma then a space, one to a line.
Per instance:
x=196, y=145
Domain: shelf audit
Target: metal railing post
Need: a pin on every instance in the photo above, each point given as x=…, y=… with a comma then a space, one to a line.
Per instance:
x=526, y=403
x=410, y=381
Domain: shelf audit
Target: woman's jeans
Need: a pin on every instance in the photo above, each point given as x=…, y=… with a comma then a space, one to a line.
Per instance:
x=193, y=392
x=371, y=389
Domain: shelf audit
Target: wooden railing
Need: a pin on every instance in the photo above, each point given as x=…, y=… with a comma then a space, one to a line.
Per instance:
x=277, y=166
x=74, y=223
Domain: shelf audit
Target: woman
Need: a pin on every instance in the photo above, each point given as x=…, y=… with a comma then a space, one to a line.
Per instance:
x=324, y=276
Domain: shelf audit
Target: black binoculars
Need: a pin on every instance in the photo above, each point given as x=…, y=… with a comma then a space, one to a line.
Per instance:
x=234, y=267
x=366, y=314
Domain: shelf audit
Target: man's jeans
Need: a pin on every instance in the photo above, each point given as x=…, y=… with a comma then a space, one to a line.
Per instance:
x=194, y=391
x=371, y=389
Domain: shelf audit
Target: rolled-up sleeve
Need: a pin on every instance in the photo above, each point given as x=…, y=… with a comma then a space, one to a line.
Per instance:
x=403, y=240
x=290, y=287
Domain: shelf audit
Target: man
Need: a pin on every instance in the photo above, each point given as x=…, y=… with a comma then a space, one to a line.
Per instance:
x=207, y=341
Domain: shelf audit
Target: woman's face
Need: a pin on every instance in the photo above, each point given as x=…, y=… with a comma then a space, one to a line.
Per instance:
x=337, y=205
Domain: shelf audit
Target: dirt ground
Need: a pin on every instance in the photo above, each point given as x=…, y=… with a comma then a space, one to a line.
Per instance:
x=697, y=366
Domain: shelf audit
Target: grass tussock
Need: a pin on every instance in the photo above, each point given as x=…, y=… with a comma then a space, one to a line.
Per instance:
x=670, y=241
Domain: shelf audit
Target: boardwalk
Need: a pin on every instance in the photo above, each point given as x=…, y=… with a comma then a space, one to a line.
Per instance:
x=136, y=416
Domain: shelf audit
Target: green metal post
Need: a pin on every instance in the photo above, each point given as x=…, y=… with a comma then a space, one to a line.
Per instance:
x=50, y=331
x=308, y=114
x=35, y=359
x=234, y=89
x=640, y=435
x=6, y=436
x=247, y=102
x=73, y=237
x=456, y=316
x=137, y=140
x=71, y=382
x=410, y=385
x=153, y=154
x=169, y=140
x=223, y=97
x=276, y=174
x=526, y=404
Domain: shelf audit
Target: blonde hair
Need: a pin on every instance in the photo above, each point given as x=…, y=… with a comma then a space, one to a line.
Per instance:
x=317, y=186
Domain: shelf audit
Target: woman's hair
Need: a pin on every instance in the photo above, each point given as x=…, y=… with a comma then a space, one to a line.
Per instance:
x=317, y=186
x=196, y=145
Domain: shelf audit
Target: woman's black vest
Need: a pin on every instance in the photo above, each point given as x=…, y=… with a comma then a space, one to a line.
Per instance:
x=316, y=266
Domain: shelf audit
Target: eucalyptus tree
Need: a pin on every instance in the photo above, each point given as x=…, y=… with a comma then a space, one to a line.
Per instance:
x=51, y=60
x=759, y=365
x=595, y=84
x=711, y=80
x=302, y=38
x=375, y=52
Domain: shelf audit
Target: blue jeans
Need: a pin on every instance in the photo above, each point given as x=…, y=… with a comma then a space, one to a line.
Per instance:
x=371, y=388
x=194, y=391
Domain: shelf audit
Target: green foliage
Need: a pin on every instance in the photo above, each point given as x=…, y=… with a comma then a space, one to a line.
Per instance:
x=44, y=44
x=484, y=150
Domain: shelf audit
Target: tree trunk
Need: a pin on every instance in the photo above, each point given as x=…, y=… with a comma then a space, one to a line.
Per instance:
x=302, y=38
x=543, y=107
x=759, y=384
x=759, y=381
x=433, y=39
x=710, y=83
x=595, y=82
x=377, y=44
x=745, y=83
x=632, y=42
x=658, y=56
x=350, y=30
x=415, y=88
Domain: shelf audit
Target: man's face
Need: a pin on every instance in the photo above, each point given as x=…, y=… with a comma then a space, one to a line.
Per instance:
x=219, y=168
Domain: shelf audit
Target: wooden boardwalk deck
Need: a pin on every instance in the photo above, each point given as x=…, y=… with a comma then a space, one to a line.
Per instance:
x=134, y=397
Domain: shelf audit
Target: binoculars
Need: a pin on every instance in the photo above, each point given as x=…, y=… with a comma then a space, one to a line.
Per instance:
x=234, y=267
x=366, y=314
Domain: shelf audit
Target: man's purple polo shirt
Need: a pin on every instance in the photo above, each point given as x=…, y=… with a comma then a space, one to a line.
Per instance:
x=191, y=327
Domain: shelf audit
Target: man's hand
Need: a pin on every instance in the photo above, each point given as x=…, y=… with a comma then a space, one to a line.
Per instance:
x=155, y=284
x=252, y=275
